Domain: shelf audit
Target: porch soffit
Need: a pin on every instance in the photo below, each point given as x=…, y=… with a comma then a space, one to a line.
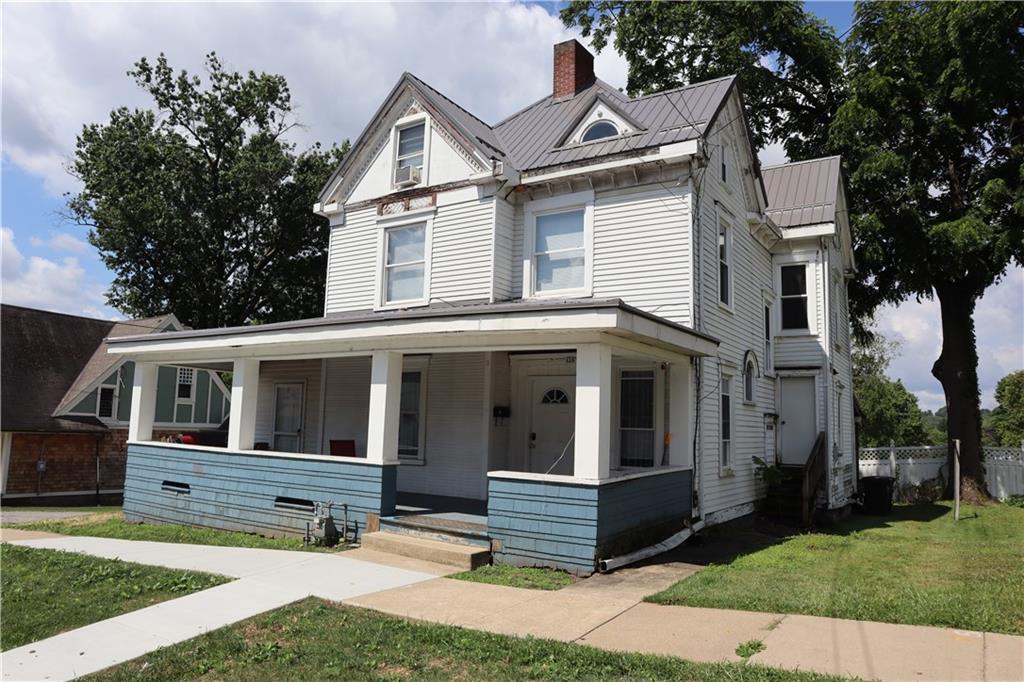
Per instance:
x=501, y=326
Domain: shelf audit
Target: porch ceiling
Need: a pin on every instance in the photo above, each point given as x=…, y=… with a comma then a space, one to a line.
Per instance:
x=526, y=325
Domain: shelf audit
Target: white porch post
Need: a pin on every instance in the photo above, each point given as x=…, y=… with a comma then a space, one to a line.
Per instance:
x=385, y=397
x=593, y=411
x=680, y=414
x=140, y=425
x=245, y=381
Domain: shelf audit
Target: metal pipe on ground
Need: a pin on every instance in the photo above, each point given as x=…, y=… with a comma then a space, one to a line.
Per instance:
x=671, y=542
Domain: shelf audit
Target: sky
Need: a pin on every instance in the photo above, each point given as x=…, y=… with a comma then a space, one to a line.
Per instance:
x=64, y=65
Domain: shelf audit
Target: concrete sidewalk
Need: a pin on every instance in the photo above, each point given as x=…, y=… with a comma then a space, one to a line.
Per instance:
x=266, y=579
x=606, y=611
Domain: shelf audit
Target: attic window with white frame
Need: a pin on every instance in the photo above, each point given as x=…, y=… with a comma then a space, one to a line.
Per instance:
x=186, y=379
x=409, y=154
x=599, y=130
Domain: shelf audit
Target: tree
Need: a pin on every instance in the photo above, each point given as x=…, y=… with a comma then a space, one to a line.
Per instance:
x=787, y=60
x=200, y=206
x=931, y=136
x=889, y=412
x=1007, y=419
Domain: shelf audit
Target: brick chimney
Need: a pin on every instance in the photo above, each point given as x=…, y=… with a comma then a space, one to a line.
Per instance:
x=574, y=68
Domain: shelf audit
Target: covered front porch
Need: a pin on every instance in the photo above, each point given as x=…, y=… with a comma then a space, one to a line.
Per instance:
x=569, y=424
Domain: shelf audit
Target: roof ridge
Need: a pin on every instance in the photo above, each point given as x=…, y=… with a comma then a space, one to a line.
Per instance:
x=453, y=102
x=797, y=163
x=681, y=88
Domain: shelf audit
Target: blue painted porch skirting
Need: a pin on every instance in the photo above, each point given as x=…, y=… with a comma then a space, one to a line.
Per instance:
x=572, y=525
x=236, y=491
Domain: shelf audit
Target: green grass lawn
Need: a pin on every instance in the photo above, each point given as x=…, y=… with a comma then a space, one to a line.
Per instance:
x=114, y=526
x=516, y=576
x=916, y=566
x=94, y=509
x=316, y=640
x=45, y=592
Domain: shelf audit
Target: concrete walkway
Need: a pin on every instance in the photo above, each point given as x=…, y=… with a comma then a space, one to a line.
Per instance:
x=266, y=579
x=605, y=611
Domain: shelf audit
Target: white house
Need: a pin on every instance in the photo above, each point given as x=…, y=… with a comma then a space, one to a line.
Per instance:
x=562, y=336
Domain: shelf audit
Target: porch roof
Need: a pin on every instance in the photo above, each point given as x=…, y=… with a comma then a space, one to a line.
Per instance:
x=463, y=327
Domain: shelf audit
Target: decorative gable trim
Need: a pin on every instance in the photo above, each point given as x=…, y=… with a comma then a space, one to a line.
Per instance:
x=600, y=109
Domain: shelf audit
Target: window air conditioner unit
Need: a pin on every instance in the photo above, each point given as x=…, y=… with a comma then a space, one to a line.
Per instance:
x=407, y=176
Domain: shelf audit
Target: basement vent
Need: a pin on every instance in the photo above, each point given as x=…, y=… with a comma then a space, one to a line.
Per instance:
x=176, y=487
x=294, y=503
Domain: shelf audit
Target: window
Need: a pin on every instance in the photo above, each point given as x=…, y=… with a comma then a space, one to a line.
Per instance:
x=724, y=262
x=186, y=378
x=725, y=403
x=724, y=166
x=559, y=255
x=794, y=297
x=405, y=263
x=600, y=130
x=636, y=418
x=410, y=435
x=106, y=402
x=555, y=396
x=768, y=359
x=410, y=146
x=749, y=379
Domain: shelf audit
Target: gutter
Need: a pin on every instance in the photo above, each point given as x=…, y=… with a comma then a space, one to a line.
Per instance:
x=669, y=543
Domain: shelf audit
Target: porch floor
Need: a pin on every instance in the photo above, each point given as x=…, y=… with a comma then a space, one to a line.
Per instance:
x=442, y=513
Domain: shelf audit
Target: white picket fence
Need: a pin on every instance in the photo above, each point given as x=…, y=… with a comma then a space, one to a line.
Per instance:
x=1004, y=467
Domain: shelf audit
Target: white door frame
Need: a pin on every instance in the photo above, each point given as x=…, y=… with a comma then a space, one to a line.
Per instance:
x=301, y=383
x=523, y=367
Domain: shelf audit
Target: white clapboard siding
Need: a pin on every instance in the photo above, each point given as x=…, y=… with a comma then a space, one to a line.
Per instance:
x=460, y=266
x=642, y=249
x=347, y=402
x=352, y=263
x=504, y=218
x=501, y=394
x=455, y=447
x=738, y=330
x=287, y=371
x=805, y=350
x=518, y=245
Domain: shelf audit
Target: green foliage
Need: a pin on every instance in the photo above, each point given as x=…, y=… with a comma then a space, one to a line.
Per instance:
x=771, y=474
x=916, y=566
x=45, y=592
x=517, y=576
x=158, y=532
x=1007, y=419
x=315, y=640
x=786, y=59
x=749, y=648
x=200, y=206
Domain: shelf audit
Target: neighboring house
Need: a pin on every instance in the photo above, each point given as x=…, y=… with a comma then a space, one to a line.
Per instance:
x=578, y=326
x=66, y=403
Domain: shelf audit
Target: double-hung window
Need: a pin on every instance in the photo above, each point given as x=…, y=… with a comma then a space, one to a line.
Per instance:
x=794, y=297
x=636, y=418
x=410, y=424
x=410, y=146
x=768, y=359
x=724, y=262
x=405, y=263
x=749, y=380
x=725, y=404
x=559, y=252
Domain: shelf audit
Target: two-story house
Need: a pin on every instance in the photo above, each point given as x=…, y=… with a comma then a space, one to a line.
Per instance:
x=562, y=336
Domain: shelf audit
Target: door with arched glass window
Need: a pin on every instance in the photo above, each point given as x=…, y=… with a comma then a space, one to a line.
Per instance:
x=552, y=417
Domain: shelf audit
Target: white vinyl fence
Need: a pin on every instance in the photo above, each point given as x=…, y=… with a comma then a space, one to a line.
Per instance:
x=1004, y=467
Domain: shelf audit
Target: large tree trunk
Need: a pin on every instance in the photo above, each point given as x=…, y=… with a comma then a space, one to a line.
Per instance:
x=957, y=371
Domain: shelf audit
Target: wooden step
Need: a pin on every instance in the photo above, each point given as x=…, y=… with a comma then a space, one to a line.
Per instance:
x=466, y=557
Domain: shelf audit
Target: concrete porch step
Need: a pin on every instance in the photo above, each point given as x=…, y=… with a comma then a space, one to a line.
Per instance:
x=439, y=528
x=466, y=557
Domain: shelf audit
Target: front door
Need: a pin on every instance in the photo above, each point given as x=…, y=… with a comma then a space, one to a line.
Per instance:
x=552, y=418
x=798, y=425
x=288, y=417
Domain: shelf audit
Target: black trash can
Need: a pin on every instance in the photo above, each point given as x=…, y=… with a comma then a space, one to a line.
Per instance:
x=878, y=494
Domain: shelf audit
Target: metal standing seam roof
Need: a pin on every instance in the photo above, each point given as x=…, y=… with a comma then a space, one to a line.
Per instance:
x=802, y=193
x=531, y=138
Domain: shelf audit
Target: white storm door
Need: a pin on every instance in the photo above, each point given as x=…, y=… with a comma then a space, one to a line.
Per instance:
x=552, y=419
x=288, y=417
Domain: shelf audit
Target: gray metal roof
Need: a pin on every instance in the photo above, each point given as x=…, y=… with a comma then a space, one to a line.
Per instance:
x=802, y=193
x=532, y=138
x=433, y=311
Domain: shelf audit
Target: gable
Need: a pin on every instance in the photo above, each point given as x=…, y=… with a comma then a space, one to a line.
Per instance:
x=601, y=111
x=729, y=141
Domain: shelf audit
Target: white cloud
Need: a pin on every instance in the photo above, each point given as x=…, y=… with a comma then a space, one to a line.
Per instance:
x=64, y=64
x=61, y=241
x=772, y=154
x=38, y=282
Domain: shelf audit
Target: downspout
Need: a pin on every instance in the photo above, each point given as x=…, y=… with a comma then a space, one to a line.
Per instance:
x=669, y=543
x=826, y=275
x=698, y=320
